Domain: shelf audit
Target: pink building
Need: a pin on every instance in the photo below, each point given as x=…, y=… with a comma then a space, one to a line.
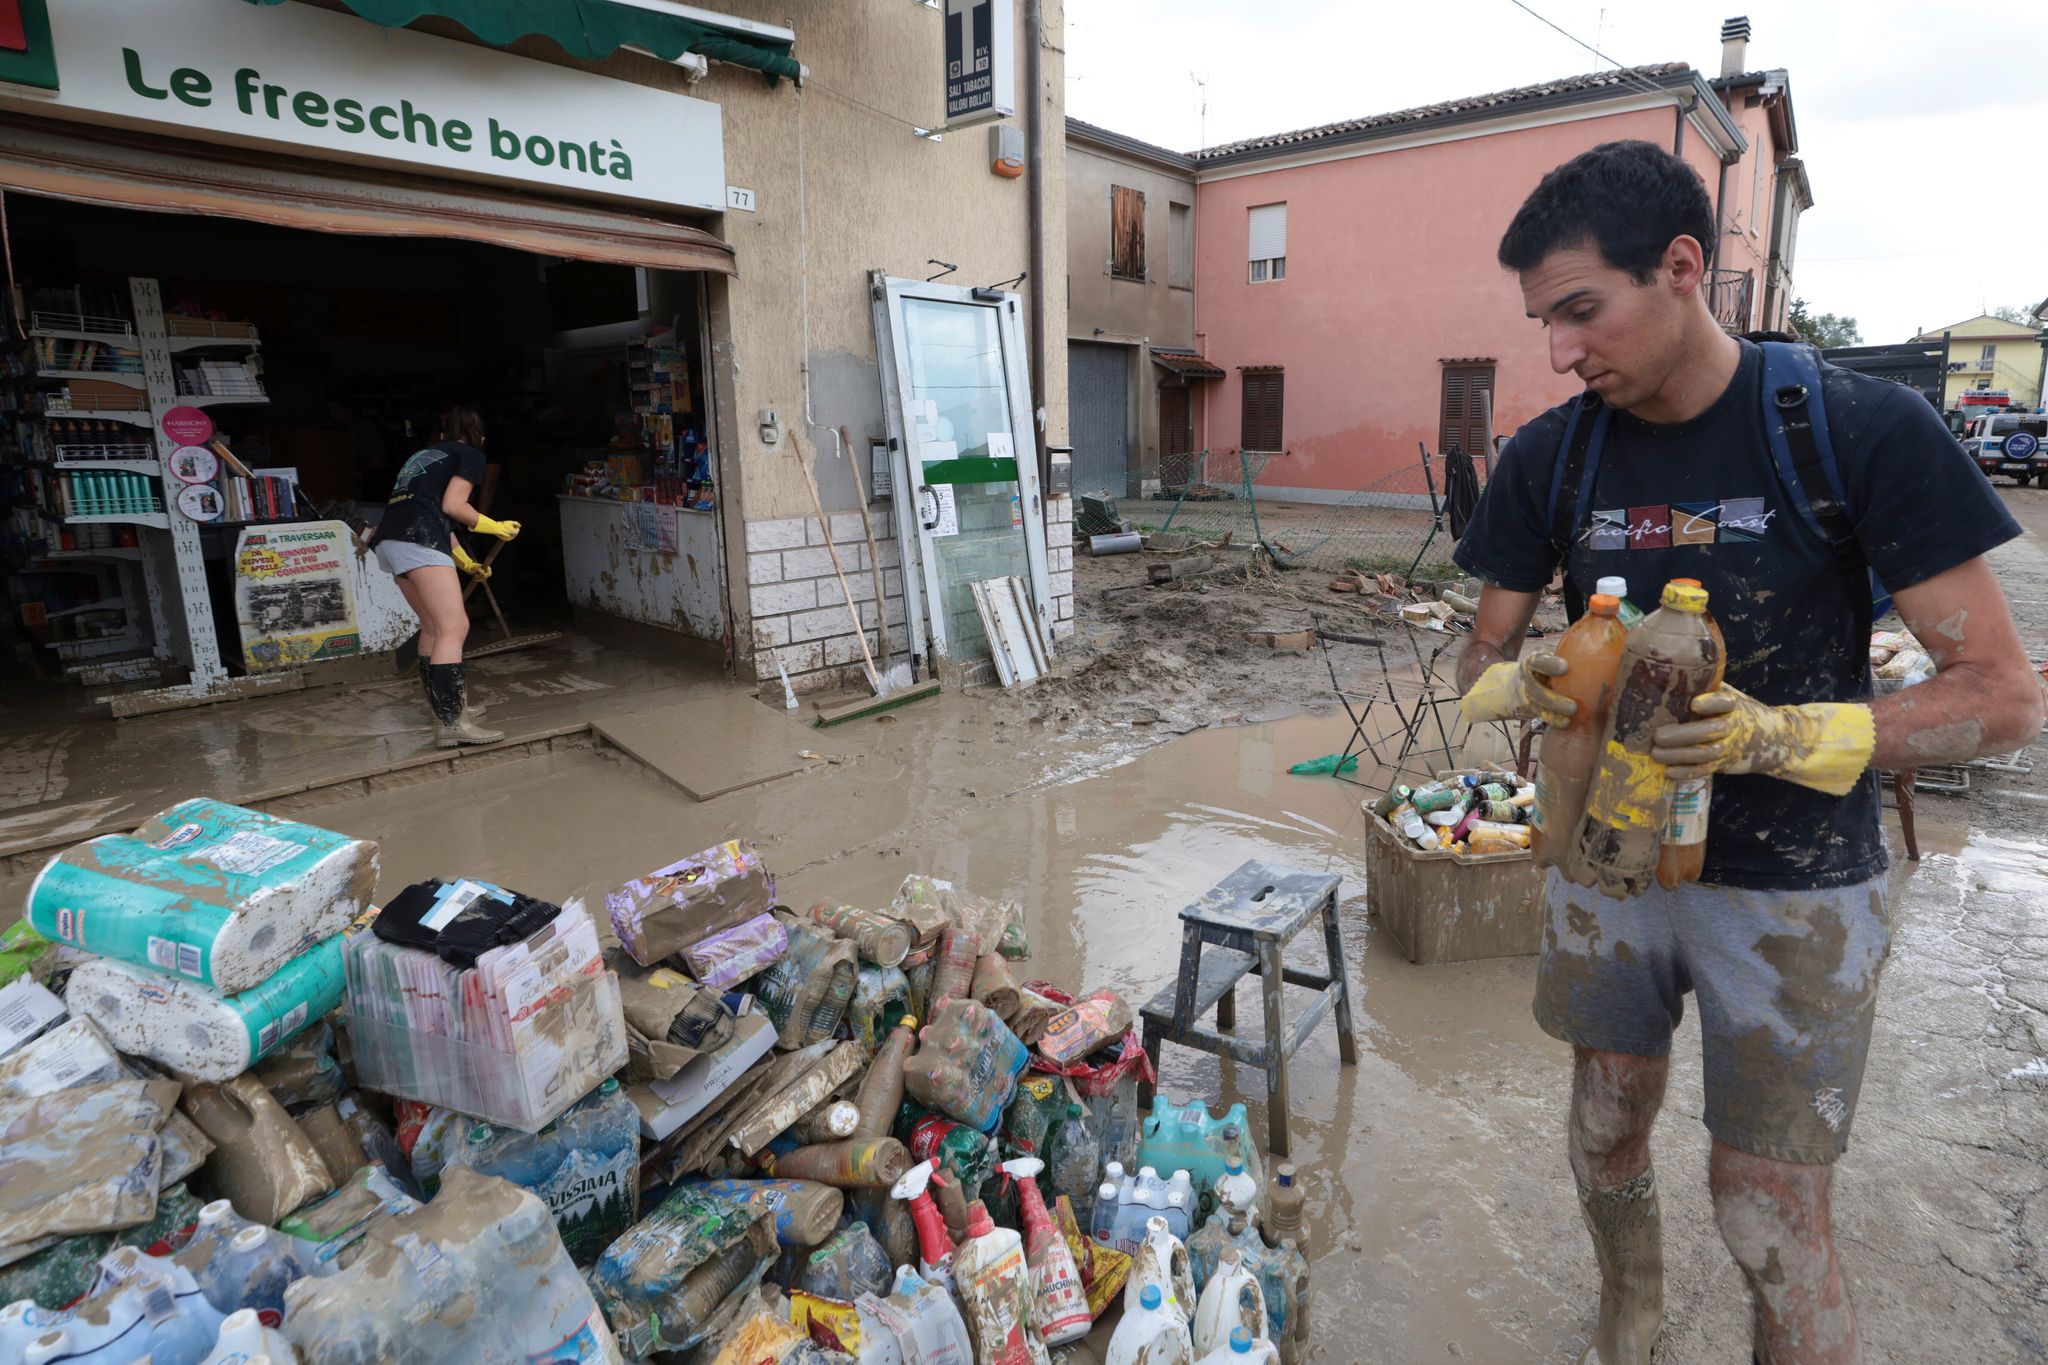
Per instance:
x=1345, y=275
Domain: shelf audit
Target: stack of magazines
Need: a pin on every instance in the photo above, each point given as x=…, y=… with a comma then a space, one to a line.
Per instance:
x=517, y=1038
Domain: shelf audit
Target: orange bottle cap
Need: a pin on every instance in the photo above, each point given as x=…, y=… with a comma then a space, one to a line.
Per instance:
x=1604, y=604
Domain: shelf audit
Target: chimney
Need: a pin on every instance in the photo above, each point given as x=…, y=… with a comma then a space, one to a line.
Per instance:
x=1734, y=45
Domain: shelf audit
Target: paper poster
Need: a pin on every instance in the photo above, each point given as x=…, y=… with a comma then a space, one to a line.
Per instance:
x=647, y=521
x=941, y=515
x=294, y=594
x=1000, y=446
x=669, y=517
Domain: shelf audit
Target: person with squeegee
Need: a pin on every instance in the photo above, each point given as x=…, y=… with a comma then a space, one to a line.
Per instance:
x=416, y=544
x=1782, y=484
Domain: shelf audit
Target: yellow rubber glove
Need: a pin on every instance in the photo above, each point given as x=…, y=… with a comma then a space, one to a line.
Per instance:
x=468, y=565
x=503, y=530
x=1824, y=745
x=1516, y=690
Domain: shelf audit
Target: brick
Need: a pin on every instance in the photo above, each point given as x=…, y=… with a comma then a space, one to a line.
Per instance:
x=844, y=650
x=892, y=582
x=1060, y=559
x=770, y=632
x=889, y=553
x=1063, y=630
x=807, y=564
x=816, y=625
x=1060, y=584
x=1062, y=608
x=861, y=584
x=847, y=529
x=796, y=659
x=785, y=534
x=813, y=534
x=765, y=567
x=774, y=598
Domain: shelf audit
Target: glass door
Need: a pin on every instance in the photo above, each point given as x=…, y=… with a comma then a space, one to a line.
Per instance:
x=968, y=507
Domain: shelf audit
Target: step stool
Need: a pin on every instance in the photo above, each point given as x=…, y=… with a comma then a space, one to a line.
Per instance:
x=1247, y=920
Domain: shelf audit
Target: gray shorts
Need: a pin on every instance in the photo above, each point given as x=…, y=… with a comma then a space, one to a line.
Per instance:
x=1786, y=984
x=402, y=556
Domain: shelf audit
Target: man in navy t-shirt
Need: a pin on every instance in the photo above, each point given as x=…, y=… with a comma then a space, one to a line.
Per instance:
x=1782, y=939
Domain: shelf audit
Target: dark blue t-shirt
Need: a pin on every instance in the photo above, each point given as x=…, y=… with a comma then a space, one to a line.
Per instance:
x=1702, y=499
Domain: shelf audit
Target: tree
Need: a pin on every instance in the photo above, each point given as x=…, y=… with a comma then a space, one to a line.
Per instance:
x=2021, y=313
x=1823, y=329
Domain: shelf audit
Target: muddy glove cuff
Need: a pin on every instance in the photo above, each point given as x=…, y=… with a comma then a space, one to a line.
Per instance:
x=503, y=530
x=1518, y=690
x=1823, y=745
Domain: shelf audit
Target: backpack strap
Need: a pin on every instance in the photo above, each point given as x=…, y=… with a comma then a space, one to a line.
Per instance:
x=1571, y=483
x=1796, y=423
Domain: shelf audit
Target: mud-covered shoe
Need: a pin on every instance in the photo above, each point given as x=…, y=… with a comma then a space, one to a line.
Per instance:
x=463, y=730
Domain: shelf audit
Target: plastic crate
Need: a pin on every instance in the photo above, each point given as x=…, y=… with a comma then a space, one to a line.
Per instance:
x=1451, y=907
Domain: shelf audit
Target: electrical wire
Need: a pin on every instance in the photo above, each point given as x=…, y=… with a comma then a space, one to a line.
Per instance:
x=1627, y=73
x=814, y=82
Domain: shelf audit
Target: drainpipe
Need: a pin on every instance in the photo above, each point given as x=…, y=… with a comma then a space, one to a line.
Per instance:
x=1034, y=179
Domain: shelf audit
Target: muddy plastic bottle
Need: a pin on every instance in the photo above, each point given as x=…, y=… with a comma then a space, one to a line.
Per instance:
x=1061, y=1304
x=1591, y=650
x=1615, y=586
x=853, y=1164
x=1151, y=1333
x=1231, y=1299
x=1073, y=1162
x=966, y=1065
x=1243, y=1349
x=881, y=1090
x=1683, y=855
x=1236, y=1190
x=1282, y=1216
x=244, y=1339
x=995, y=1293
x=1668, y=660
x=881, y=999
x=848, y=1266
x=934, y=1243
x=883, y=941
x=1162, y=1260
x=953, y=970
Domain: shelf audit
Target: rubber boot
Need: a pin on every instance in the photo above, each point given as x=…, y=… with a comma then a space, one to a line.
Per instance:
x=448, y=691
x=426, y=684
x=1628, y=1239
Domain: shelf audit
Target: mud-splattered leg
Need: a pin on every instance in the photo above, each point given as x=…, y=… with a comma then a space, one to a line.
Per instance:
x=1615, y=1099
x=1774, y=1218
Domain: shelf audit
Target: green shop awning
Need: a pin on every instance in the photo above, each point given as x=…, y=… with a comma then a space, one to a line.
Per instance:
x=595, y=29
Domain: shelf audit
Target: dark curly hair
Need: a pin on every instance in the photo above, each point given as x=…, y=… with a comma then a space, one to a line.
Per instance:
x=1628, y=199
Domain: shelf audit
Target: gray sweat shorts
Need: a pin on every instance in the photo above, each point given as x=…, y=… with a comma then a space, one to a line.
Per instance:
x=402, y=556
x=1786, y=983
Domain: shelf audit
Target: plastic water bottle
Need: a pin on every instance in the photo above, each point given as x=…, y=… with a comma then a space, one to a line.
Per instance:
x=1074, y=1154
x=1102, y=1225
x=244, y=1339
x=22, y=1322
x=253, y=1271
x=1179, y=1207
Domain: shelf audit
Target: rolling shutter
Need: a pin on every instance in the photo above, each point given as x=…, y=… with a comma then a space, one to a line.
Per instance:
x=1267, y=232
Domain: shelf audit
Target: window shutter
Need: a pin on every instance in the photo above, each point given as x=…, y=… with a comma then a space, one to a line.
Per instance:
x=1463, y=416
x=1263, y=402
x=1126, y=233
x=1267, y=232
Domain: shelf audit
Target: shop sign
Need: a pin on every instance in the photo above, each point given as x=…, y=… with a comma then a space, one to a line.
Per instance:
x=334, y=85
x=294, y=595
x=981, y=61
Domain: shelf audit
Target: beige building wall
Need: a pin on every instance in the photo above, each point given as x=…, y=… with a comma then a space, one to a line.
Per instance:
x=843, y=186
x=1138, y=314
x=2014, y=362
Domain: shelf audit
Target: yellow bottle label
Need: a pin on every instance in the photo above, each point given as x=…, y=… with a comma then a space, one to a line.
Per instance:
x=1627, y=790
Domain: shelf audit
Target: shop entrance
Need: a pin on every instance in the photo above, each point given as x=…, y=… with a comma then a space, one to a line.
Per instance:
x=321, y=361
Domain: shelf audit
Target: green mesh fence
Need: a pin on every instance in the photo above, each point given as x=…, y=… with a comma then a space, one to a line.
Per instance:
x=1388, y=526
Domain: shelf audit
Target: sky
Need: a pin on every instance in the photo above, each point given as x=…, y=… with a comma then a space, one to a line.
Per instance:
x=1906, y=117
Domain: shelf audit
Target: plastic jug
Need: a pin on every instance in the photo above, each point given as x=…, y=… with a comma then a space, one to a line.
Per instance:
x=1286, y=1202
x=1671, y=658
x=1185, y=1137
x=1236, y=1191
x=243, y=1338
x=1222, y=1233
x=966, y=1065
x=1230, y=1300
x=1061, y=1311
x=1591, y=650
x=881, y=1000
x=1243, y=1349
x=926, y=1322
x=132, y=1320
x=1162, y=1260
x=585, y=1166
x=1283, y=1278
x=995, y=1292
x=22, y=1321
x=253, y=1271
x=1074, y=1162
x=1151, y=1334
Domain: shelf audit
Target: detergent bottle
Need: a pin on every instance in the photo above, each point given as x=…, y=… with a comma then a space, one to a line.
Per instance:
x=1162, y=1260
x=995, y=1293
x=1243, y=1349
x=1230, y=1300
x=1062, y=1304
x=244, y=1338
x=1236, y=1191
x=1224, y=1232
x=934, y=1246
x=926, y=1322
x=1151, y=1334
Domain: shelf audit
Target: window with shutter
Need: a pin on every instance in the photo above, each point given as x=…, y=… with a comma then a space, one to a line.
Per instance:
x=1266, y=242
x=1263, y=400
x=1126, y=233
x=1468, y=391
x=1180, y=246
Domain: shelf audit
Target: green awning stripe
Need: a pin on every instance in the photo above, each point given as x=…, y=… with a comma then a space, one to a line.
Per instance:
x=590, y=29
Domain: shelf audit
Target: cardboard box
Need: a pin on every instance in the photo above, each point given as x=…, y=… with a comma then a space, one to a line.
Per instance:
x=667, y=1105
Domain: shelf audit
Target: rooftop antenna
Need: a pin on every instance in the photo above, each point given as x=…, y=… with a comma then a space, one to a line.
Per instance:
x=1202, y=86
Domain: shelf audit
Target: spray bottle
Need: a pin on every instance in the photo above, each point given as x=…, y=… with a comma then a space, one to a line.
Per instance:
x=1062, y=1314
x=934, y=1247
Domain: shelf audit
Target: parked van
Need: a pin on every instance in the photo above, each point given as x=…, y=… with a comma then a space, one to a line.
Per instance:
x=2009, y=443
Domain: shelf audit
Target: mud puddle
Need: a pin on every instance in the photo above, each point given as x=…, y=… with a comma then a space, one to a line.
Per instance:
x=1413, y=1194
